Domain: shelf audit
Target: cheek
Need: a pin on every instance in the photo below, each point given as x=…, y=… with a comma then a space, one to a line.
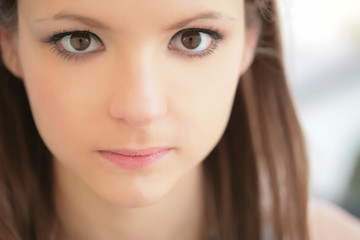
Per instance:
x=207, y=92
x=58, y=108
x=51, y=107
x=62, y=96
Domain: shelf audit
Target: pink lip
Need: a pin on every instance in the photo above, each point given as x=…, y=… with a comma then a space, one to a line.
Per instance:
x=134, y=159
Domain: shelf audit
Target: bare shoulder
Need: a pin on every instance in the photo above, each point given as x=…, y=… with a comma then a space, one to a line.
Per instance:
x=329, y=222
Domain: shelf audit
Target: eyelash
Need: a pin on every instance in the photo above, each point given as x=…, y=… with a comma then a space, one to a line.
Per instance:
x=56, y=37
x=215, y=33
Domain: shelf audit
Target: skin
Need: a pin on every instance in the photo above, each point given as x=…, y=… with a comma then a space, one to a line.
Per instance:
x=330, y=222
x=134, y=93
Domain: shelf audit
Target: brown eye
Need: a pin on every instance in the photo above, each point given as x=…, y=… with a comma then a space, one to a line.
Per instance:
x=80, y=41
x=191, y=39
x=194, y=41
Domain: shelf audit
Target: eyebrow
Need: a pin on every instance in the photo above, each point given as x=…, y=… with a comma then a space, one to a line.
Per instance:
x=206, y=15
x=98, y=24
x=77, y=18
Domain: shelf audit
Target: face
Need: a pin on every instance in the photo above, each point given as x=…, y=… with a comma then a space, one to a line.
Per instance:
x=129, y=96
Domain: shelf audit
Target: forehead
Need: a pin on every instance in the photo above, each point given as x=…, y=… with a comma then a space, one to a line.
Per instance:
x=132, y=12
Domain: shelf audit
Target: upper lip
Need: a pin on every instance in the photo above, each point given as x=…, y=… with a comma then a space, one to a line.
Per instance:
x=138, y=152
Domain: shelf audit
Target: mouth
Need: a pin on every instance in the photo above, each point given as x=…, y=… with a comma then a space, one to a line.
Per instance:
x=134, y=159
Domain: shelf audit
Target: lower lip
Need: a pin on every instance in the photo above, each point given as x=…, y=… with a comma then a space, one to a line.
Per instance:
x=133, y=162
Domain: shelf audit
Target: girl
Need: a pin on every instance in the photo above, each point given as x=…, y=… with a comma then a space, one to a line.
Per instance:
x=147, y=120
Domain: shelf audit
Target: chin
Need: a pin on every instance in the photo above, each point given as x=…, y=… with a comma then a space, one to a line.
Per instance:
x=137, y=196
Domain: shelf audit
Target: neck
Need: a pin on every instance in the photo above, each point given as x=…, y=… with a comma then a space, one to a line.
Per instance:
x=179, y=215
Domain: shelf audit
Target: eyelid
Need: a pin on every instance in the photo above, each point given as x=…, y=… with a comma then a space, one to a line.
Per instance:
x=214, y=33
x=58, y=36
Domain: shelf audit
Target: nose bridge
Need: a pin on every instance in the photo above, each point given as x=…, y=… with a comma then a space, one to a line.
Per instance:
x=139, y=97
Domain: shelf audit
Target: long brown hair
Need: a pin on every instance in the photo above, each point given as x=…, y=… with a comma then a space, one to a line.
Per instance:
x=256, y=175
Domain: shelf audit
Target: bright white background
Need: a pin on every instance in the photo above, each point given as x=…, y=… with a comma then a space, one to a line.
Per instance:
x=322, y=52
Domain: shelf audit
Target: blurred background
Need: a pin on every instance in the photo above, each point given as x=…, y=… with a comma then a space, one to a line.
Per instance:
x=322, y=55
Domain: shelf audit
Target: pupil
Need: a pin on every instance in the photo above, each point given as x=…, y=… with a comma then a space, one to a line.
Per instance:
x=80, y=41
x=191, y=40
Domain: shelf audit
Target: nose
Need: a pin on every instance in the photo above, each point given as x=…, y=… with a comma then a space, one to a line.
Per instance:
x=139, y=97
